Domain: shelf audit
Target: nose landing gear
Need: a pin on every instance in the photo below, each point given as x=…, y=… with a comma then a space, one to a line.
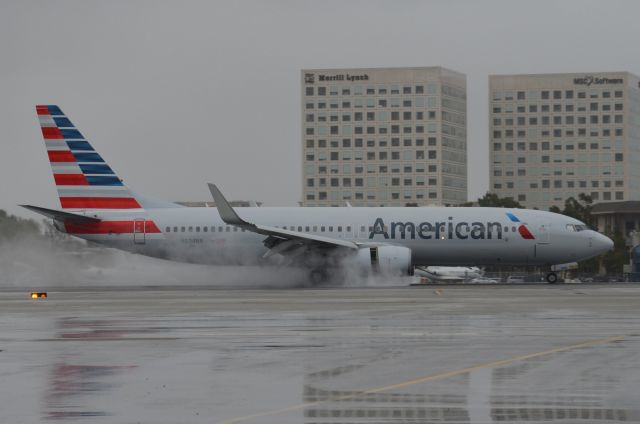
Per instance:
x=552, y=278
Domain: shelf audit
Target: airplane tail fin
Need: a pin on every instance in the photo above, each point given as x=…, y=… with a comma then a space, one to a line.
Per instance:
x=82, y=177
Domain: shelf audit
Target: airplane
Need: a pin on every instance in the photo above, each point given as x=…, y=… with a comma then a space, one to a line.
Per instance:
x=98, y=206
x=448, y=273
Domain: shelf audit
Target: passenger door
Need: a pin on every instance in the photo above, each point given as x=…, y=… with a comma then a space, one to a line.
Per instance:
x=139, y=233
x=543, y=241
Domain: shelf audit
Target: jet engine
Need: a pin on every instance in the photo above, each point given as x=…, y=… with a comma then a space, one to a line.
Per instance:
x=385, y=260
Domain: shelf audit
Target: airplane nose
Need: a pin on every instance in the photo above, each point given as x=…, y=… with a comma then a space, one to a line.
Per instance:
x=602, y=243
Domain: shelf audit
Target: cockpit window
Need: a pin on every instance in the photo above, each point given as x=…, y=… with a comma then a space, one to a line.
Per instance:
x=580, y=227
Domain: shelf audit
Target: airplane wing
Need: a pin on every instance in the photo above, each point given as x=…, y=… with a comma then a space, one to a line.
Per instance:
x=229, y=216
x=62, y=216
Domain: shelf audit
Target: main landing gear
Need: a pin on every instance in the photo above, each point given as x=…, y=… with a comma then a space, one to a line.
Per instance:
x=552, y=278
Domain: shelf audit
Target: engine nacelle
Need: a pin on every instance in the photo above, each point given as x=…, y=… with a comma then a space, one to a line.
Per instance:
x=385, y=260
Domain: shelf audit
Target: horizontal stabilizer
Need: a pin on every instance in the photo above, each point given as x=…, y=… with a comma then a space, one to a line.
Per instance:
x=62, y=216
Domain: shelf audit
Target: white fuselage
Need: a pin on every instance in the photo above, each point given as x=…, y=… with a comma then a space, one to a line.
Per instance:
x=435, y=235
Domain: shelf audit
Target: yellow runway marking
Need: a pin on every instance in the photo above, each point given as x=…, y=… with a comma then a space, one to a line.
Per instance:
x=426, y=379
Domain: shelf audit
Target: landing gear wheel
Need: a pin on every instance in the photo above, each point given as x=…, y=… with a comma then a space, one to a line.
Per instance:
x=318, y=276
x=552, y=278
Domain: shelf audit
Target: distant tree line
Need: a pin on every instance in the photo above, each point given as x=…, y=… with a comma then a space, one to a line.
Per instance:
x=12, y=227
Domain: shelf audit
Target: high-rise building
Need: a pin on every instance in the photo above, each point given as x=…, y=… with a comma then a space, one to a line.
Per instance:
x=554, y=136
x=383, y=136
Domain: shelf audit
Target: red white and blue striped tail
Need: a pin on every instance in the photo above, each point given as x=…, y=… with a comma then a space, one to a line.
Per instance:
x=83, y=179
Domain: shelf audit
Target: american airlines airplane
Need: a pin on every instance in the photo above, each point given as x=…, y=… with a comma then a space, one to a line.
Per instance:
x=97, y=206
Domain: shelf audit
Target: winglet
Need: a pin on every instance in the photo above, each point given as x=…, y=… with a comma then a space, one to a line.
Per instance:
x=228, y=215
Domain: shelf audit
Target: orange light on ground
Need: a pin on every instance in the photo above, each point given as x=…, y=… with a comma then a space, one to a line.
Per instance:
x=38, y=295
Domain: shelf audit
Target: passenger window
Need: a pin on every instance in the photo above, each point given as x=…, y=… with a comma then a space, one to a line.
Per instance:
x=339, y=229
x=506, y=229
x=175, y=229
x=235, y=229
x=191, y=229
x=315, y=228
x=227, y=229
x=213, y=229
x=362, y=229
x=167, y=230
x=306, y=229
x=220, y=229
x=292, y=228
x=348, y=228
x=322, y=228
x=299, y=228
x=182, y=229
x=513, y=229
x=205, y=229
x=197, y=229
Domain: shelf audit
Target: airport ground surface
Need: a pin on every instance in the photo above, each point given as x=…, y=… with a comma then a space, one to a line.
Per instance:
x=471, y=354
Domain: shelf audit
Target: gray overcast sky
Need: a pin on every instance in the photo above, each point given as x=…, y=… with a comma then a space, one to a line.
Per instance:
x=175, y=94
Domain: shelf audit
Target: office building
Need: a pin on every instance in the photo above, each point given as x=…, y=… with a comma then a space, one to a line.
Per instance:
x=383, y=137
x=554, y=136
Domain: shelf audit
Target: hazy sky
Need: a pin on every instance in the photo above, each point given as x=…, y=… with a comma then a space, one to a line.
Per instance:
x=175, y=94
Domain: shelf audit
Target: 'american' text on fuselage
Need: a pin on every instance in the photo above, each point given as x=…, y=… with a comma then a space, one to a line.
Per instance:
x=438, y=230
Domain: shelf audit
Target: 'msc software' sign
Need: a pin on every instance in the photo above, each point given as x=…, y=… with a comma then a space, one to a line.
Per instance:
x=590, y=79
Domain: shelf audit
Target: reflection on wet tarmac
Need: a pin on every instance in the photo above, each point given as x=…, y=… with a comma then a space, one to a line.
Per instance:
x=68, y=383
x=470, y=355
x=480, y=396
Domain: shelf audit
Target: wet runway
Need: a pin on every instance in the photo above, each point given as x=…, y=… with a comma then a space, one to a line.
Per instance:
x=478, y=354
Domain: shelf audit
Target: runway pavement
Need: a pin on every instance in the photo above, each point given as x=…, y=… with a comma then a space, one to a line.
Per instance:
x=454, y=354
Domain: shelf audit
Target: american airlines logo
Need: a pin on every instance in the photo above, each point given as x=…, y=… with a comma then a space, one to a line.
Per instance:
x=590, y=79
x=446, y=230
x=522, y=229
